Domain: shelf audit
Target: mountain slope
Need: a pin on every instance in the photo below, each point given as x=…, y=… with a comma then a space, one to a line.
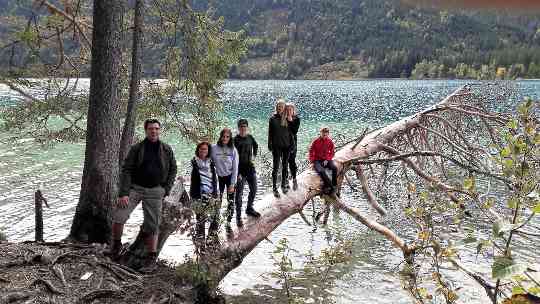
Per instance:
x=373, y=37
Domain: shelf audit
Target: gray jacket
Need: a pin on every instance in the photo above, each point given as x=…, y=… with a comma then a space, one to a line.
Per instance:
x=226, y=161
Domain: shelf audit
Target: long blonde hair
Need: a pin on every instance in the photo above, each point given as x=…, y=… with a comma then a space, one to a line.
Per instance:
x=292, y=106
x=279, y=102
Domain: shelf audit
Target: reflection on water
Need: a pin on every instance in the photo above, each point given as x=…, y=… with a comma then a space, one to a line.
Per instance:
x=346, y=106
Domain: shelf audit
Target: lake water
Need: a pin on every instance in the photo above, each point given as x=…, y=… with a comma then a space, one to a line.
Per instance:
x=346, y=106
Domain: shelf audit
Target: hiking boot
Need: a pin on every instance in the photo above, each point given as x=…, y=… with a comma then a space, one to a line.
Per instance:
x=276, y=193
x=328, y=190
x=239, y=223
x=115, y=252
x=252, y=212
x=285, y=188
x=294, y=184
x=149, y=263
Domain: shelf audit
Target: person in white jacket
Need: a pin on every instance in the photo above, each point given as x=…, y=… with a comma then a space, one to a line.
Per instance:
x=225, y=158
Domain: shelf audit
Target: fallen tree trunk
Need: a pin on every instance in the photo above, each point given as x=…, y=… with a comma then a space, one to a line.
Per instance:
x=425, y=137
x=392, y=140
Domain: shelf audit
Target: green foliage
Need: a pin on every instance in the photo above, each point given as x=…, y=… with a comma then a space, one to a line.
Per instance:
x=509, y=213
x=193, y=51
x=506, y=268
x=193, y=273
x=318, y=269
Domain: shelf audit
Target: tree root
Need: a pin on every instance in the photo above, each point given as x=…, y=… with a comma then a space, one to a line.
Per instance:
x=17, y=296
x=5, y=280
x=120, y=271
x=57, y=270
x=100, y=293
x=47, y=284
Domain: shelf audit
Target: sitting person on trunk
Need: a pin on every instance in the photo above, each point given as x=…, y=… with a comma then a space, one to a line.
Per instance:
x=204, y=193
x=321, y=153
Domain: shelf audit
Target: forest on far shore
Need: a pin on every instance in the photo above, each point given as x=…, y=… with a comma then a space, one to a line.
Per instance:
x=348, y=39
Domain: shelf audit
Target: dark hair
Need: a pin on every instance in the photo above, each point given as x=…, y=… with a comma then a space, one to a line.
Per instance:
x=242, y=122
x=151, y=121
x=220, y=140
x=199, y=145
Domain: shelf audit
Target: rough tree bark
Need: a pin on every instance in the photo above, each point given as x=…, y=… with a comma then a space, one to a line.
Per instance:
x=136, y=73
x=92, y=221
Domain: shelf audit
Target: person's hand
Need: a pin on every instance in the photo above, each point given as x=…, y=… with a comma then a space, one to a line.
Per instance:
x=230, y=189
x=123, y=201
x=325, y=163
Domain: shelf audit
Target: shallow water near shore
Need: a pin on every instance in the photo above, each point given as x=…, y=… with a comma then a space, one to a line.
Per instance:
x=346, y=106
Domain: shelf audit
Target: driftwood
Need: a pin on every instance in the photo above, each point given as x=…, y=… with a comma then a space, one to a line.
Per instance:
x=39, y=200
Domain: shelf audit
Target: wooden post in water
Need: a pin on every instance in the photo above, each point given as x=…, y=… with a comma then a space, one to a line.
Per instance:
x=38, y=200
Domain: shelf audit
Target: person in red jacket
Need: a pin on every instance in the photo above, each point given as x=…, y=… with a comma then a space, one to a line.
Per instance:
x=321, y=154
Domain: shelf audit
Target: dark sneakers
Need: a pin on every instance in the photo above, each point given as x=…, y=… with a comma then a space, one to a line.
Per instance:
x=294, y=184
x=276, y=193
x=239, y=223
x=285, y=188
x=252, y=212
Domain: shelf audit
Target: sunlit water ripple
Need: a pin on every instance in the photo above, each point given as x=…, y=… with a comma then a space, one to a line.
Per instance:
x=346, y=106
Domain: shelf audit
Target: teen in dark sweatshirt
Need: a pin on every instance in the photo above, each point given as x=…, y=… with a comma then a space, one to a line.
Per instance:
x=247, y=148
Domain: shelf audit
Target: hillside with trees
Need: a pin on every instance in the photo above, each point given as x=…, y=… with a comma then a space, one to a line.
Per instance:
x=325, y=39
x=371, y=38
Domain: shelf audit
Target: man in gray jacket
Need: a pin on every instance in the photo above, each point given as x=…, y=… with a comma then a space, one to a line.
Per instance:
x=147, y=175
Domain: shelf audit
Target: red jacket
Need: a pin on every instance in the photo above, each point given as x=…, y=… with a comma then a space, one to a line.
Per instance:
x=321, y=149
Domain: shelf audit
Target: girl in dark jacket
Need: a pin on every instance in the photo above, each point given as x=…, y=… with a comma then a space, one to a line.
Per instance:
x=279, y=143
x=294, y=124
x=204, y=193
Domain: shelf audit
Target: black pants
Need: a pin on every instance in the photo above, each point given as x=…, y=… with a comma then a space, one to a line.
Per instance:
x=280, y=155
x=224, y=184
x=320, y=169
x=251, y=179
x=292, y=163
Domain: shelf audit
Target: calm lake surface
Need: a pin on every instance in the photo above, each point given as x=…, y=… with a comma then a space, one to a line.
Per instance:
x=346, y=106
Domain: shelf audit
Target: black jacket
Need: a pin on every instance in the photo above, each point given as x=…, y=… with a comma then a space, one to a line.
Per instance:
x=195, y=187
x=294, y=125
x=279, y=136
x=246, y=147
x=134, y=160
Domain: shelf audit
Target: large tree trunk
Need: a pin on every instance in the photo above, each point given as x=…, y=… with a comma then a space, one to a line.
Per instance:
x=92, y=221
x=136, y=74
